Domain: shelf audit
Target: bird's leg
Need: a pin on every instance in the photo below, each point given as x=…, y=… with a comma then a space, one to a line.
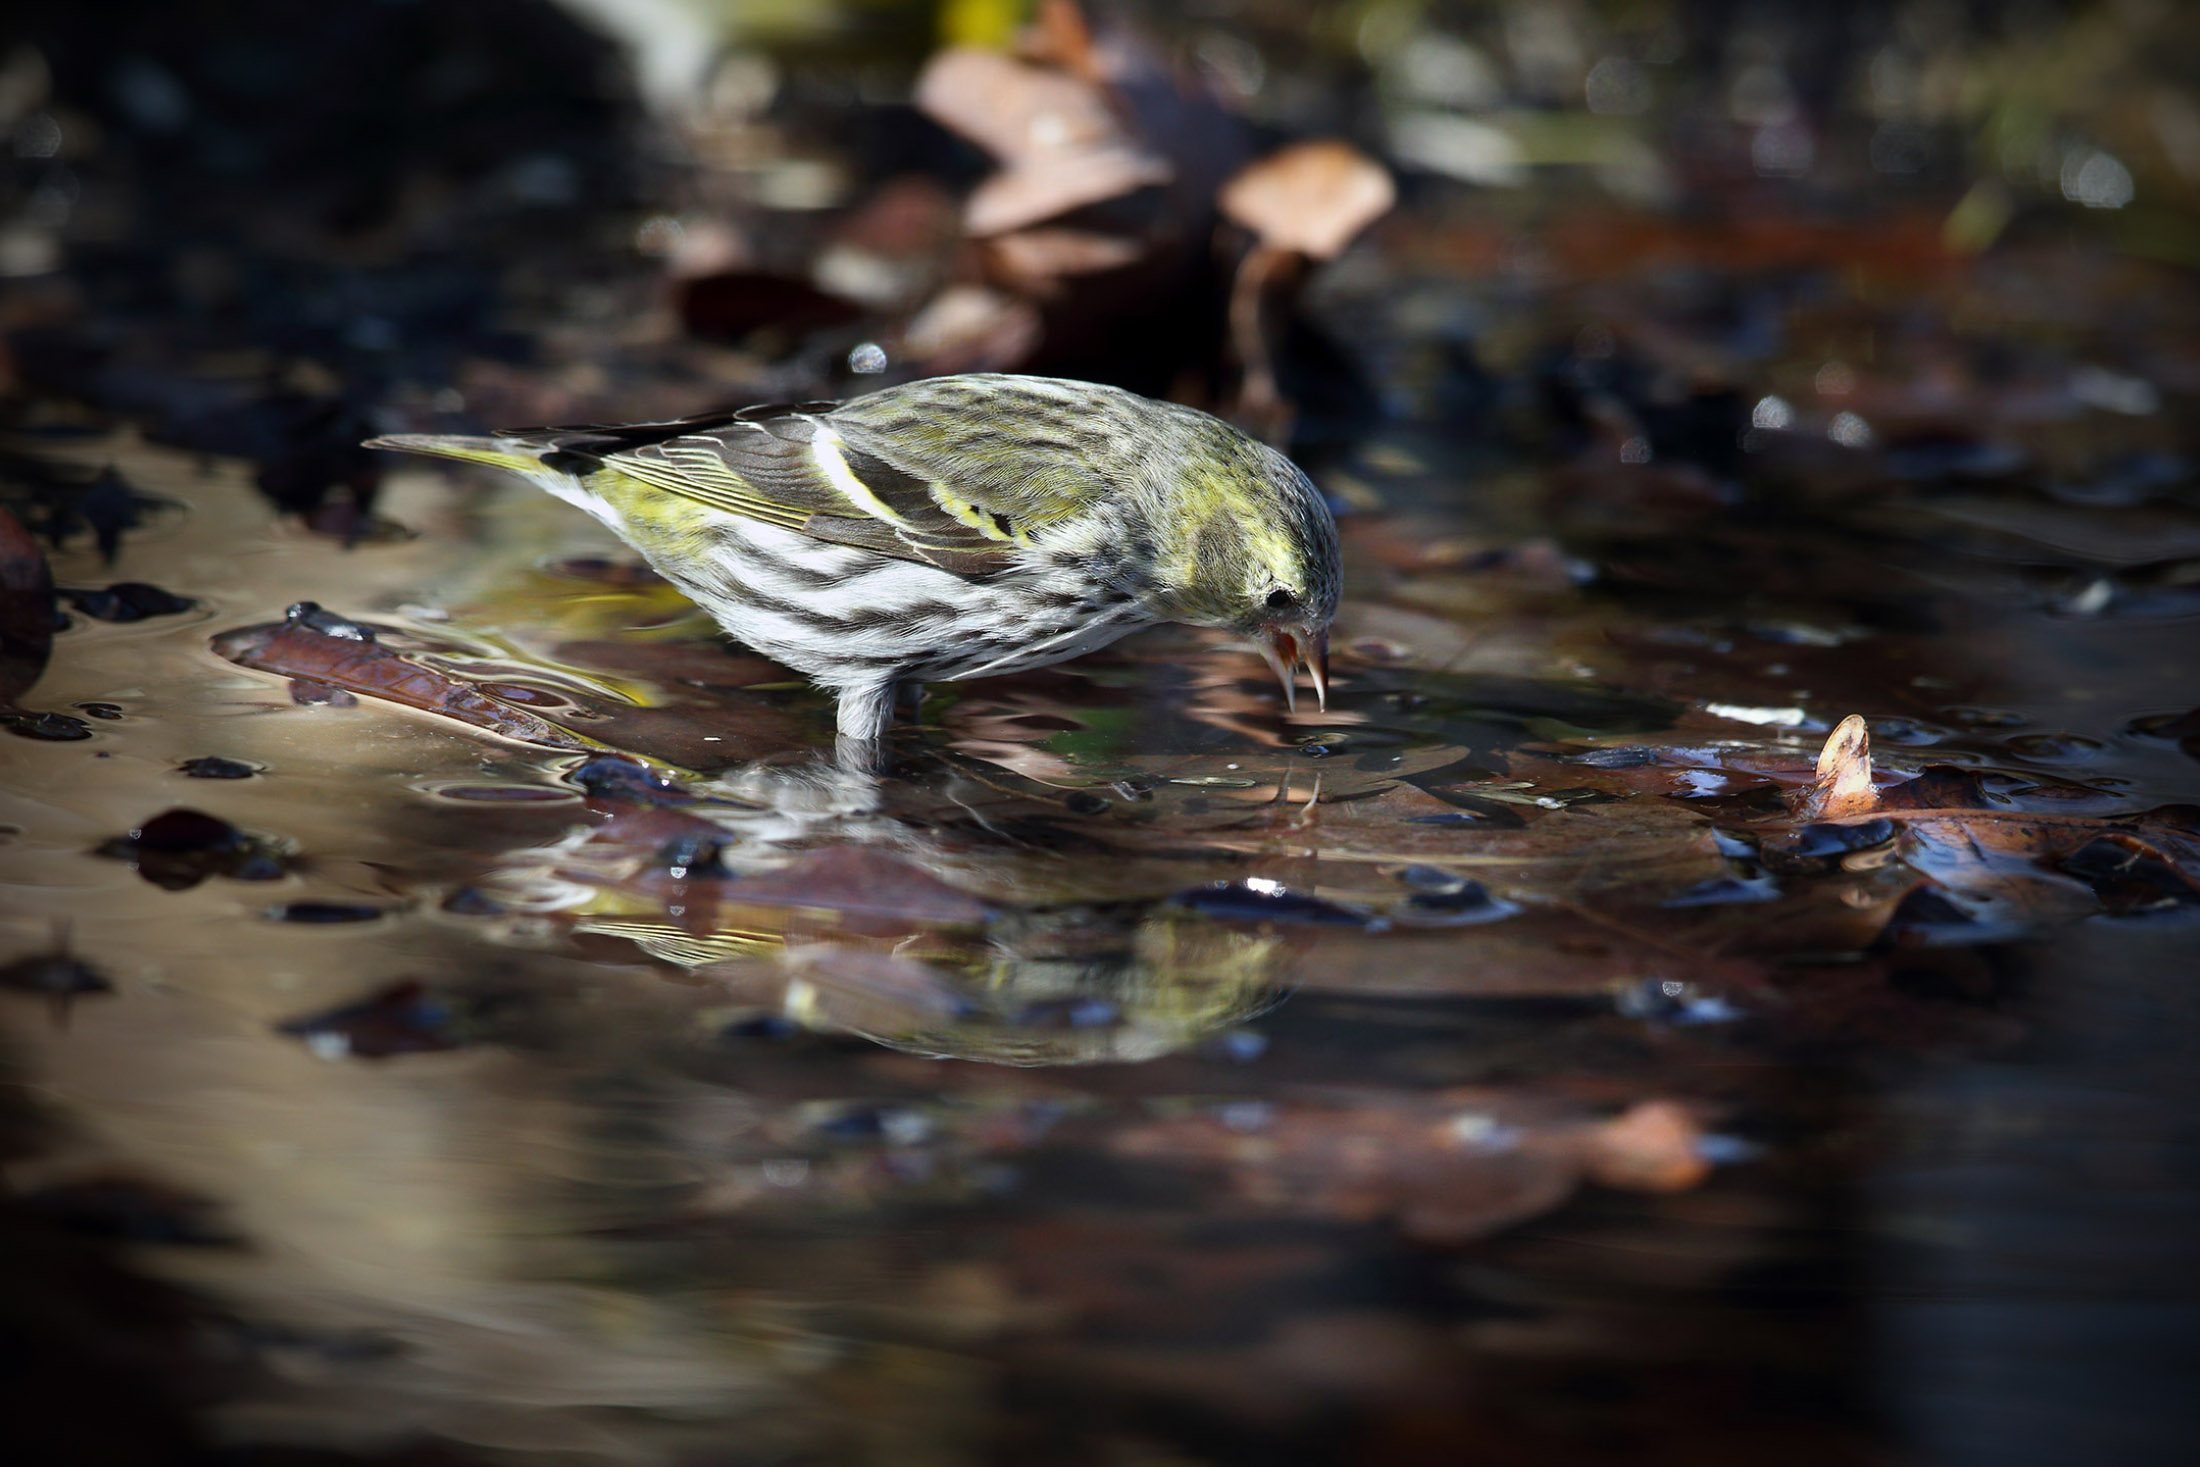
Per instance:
x=858, y=758
x=866, y=709
x=912, y=693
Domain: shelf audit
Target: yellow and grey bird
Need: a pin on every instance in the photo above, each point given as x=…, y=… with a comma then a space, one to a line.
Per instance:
x=952, y=528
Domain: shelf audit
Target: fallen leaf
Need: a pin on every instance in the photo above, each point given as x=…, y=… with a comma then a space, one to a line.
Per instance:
x=1843, y=788
x=1061, y=143
x=1311, y=198
x=299, y=651
x=1444, y=1169
x=1655, y=1146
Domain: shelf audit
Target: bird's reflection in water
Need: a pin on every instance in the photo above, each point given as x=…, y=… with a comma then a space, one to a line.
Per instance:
x=825, y=894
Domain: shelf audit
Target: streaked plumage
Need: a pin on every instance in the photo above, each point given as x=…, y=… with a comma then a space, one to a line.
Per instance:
x=952, y=528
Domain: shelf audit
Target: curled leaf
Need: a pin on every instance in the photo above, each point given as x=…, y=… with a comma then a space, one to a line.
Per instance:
x=1843, y=788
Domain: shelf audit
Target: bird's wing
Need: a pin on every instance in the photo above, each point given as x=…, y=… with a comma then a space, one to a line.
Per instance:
x=809, y=468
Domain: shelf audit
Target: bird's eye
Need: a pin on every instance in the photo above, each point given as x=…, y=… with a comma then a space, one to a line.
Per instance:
x=1279, y=600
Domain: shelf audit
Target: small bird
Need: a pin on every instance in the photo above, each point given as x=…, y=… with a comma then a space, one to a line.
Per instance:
x=953, y=527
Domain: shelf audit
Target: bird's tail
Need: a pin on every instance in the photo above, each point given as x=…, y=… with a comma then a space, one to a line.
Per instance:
x=499, y=453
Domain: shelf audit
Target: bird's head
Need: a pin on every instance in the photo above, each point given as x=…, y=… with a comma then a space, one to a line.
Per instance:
x=1246, y=542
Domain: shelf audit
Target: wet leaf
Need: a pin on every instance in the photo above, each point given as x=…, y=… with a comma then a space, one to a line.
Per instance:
x=2184, y=728
x=2130, y=876
x=1443, y=1170
x=352, y=664
x=1843, y=786
x=837, y=888
x=56, y=728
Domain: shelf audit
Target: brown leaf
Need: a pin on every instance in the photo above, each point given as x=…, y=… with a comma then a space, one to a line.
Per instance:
x=295, y=651
x=1025, y=193
x=705, y=730
x=1653, y=1147
x=1591, y=854
x=1303, y=203
x=1310, y=197
x=1061, y=143
x=1843, y=788
x=1013, y=109
x=1446, y=1169
x=863, y=884
x=838, y=890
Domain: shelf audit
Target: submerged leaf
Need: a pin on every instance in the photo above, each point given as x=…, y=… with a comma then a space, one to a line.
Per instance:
x=346, y=659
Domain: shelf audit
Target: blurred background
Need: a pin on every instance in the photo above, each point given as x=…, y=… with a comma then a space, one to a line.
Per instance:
x=1736, y=365
x=257, y=227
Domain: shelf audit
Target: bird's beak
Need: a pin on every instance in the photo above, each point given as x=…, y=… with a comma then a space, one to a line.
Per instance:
x=1285, y=650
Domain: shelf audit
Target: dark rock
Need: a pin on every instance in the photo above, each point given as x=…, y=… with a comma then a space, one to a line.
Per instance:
x=1259, y=900
x=177, y=849
x=126, y=601
x=404, y=1018
x=325, y=913
x=313, y=617
x=213, y=766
